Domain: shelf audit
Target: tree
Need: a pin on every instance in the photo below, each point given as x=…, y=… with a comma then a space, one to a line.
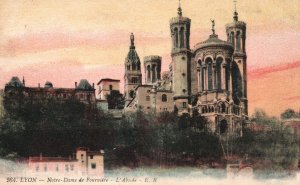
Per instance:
x=115, y=100
x=288, y=114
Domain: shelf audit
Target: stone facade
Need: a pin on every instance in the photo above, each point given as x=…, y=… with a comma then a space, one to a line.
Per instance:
x=211, y=77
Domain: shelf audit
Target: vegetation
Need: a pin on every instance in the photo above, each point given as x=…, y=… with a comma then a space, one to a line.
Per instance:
x=271, y=146
x=115, y=100
x=54, y=127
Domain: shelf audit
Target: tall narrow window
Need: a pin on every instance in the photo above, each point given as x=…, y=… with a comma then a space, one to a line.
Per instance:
x=153, y=73
x=164, y=98
x=133, y=66
x=176, y=37
x=219, y=68
x=110, y=87
x=238, y=41
x=138, y=66
x=202, y=78
x=209, y=73
x=181, y=37
x=148, y=73
x=232, y=38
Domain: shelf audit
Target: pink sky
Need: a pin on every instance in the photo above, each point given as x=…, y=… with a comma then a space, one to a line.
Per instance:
x=65, y=41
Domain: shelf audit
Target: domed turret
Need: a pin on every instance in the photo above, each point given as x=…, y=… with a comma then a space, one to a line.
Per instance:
x=48, y=85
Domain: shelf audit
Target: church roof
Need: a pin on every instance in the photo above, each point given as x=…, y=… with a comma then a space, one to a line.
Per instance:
x=84, y=85
x=213, y=40
x=132, y=55
x=15, y=82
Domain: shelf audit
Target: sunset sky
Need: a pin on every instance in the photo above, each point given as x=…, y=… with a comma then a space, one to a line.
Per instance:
x=63, y=41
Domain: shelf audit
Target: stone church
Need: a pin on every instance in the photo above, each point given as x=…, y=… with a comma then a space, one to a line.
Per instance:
x=210, y=78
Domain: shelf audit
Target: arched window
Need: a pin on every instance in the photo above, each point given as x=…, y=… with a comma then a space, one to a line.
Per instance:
x=218, y=72
x=181, y=37
x=176, y=37
x=164, y=98
x=238, y=41
x=209, y=74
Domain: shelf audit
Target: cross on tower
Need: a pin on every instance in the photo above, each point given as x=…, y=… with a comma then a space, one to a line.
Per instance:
x=179, y=9
x=235, y=1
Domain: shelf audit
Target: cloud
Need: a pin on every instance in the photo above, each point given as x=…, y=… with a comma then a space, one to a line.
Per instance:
x=261, y=72
x=45, y=41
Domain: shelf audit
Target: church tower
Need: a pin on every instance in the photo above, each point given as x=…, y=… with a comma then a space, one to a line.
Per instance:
x=181, y=60
x=236, y=35
x=133, y=75
x=152, y=69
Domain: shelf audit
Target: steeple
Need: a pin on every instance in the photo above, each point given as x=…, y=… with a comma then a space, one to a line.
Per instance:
x=133, y=75
x=235, y=14
x=132, y=41
x=179, y=10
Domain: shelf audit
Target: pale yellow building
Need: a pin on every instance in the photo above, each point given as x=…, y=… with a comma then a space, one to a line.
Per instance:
x=85, y=163
x=106, y=85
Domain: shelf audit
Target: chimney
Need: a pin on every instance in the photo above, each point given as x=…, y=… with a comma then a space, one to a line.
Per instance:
x=75, y=84
x=93, y=85
x=41, y=156
x=39, y=85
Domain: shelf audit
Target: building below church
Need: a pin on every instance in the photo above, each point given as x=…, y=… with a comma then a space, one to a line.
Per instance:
x=83, y=91
x=85, y=163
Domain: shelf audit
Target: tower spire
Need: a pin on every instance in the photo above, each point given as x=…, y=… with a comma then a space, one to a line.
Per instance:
x=235, y=14
x=179, y=9
x=132, y=41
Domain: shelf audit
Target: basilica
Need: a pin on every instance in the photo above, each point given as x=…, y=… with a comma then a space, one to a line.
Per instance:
x=211, y=77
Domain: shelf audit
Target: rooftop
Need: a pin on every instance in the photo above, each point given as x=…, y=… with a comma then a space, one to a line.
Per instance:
x=213, y=41
x=108, y=80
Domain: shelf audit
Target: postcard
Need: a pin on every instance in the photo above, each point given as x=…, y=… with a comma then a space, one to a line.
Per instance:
x=149, y=92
